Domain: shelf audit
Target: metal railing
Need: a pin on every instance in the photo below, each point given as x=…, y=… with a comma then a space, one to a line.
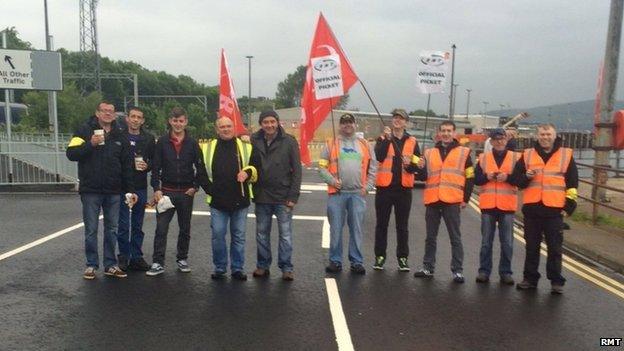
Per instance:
x=596, y=203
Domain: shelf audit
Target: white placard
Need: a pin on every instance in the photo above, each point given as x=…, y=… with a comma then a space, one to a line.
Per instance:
x=432, y=71
x=327, y=76
x=15, y=69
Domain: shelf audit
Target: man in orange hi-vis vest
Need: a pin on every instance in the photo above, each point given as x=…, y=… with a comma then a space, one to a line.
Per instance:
x=549, y=176
x=498, y=200
x=347, y=166
x=449, y=175
x=397, y=153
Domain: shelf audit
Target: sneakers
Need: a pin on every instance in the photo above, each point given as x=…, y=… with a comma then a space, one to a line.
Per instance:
x=379, y=262
x=333, y=268
x=238, y=275
x=114, y=271
x=483, y=278
x=217, y=276
x=122, y=262
x=526, y=285
x=183, y=266
x=288, y=276
x=424, y=273
x=403, y=266
x=556, y=289
x=139, y=264
x=458, y=277
x=89, y=273
x=358, y=269
x=156, y=269
x=506, y=279
x=261, y=273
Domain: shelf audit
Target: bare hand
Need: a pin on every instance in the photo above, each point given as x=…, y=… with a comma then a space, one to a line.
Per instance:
x=530, y=174
x=364, y=192
x=140, y=165
x=158, y=195
x=337, y=184
x=421, y=163
x=406, y=160
x=501, y=177
x=97, y=139
x=387, y=133
x=491, y=176
x=462, y=205
x=242, y=176
x=245, y=138
x=191, y=192
x=290, y=204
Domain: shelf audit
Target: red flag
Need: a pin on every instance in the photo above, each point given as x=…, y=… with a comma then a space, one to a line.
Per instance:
x=228, y=107
x=313, y=111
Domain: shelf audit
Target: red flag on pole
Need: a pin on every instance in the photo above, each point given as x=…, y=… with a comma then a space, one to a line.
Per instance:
x=313, y=110
x=228, y=107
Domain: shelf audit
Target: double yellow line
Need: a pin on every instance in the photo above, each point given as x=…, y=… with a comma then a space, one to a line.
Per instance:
x=571, y=264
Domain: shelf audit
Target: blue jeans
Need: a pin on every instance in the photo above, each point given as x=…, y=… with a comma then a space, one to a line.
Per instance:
x=505, y=233
x=350, y=207
x=130, y=243
x=264, y=214
x=219, y=223
x=91, y=204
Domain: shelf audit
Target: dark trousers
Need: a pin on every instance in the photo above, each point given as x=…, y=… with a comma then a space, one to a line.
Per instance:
x=451, y=215
x=550, y=228
x=401, y=200
x=184, y=207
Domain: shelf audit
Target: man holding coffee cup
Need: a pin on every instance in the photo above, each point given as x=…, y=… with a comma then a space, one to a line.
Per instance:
x=142, y=148
x=105, y=170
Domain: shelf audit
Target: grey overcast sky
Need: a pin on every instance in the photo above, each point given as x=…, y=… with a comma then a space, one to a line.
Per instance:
x=524, y=53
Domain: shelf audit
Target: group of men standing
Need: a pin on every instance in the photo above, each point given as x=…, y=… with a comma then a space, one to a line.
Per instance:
x=113, y=162
x=546, y=171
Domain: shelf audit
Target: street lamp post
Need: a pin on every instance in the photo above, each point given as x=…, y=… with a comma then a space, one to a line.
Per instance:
x=451, y=112
x=468, y=102
x=249, y=94
x=454, y=97
x=485, y=103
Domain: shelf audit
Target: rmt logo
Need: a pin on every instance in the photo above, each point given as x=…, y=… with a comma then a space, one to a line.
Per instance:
x=610, y=341
x=433, y=60
x=325, y=65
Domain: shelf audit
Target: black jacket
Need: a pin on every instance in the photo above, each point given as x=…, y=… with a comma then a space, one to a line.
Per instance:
x=280, y=177
x=571, y=181
x=381, y=151
x=102, y=169
x=174, y=171
x=144, y=147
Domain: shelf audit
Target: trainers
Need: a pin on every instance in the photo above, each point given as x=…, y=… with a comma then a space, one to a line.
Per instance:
x=89, y=273
x=424, y=273
x=261, y=273
x=556, y=289
x=217, y=276
x=288, y=276
x=507, y=279
x=156, y=269
x=403, y=266
x=122, y=262
x=183, y=266
x=358, y=269
x=458, y=278
x=114, y=271
x=333, y=268
x=139, y=264
x=526, y=285
x=379, y=262
x=238, y=275
x=483, y=278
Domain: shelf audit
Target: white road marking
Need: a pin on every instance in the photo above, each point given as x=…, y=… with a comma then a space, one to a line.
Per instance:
x=42, y=240
x=325, y=237
x=343, y=337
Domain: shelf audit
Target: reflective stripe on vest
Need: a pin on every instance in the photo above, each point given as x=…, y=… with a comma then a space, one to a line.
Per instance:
x=493, y=194
x=384, y=169
x=208, y=149
x=548, y=184
x=445, y=179
x=334, y=150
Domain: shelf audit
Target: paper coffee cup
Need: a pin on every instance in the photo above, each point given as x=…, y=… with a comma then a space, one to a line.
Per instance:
x=99, y=132
x=136, y=162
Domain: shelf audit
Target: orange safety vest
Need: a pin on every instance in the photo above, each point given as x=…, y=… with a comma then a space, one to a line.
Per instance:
x=384, y=169
x=548, y=184
x=493, y=194
x=333, y=161
x=445, y=179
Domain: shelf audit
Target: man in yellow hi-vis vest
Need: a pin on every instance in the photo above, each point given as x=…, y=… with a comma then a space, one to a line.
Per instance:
x=232, y=167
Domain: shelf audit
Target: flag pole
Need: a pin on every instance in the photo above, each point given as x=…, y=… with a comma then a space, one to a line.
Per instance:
x=396, y=146
x=426, y=121
x=331, y=108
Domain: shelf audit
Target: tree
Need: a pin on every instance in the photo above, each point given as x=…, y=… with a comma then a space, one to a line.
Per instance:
x=289, y=90
x=421, y=112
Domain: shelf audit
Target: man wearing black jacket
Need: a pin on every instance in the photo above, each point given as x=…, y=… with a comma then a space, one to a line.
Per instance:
x=130, y=240
x=276, y=192
x=105, y=171
x=549, y=176
x=177, y=172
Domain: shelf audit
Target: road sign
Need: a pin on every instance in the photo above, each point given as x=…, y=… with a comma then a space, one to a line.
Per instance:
x=30, y=70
